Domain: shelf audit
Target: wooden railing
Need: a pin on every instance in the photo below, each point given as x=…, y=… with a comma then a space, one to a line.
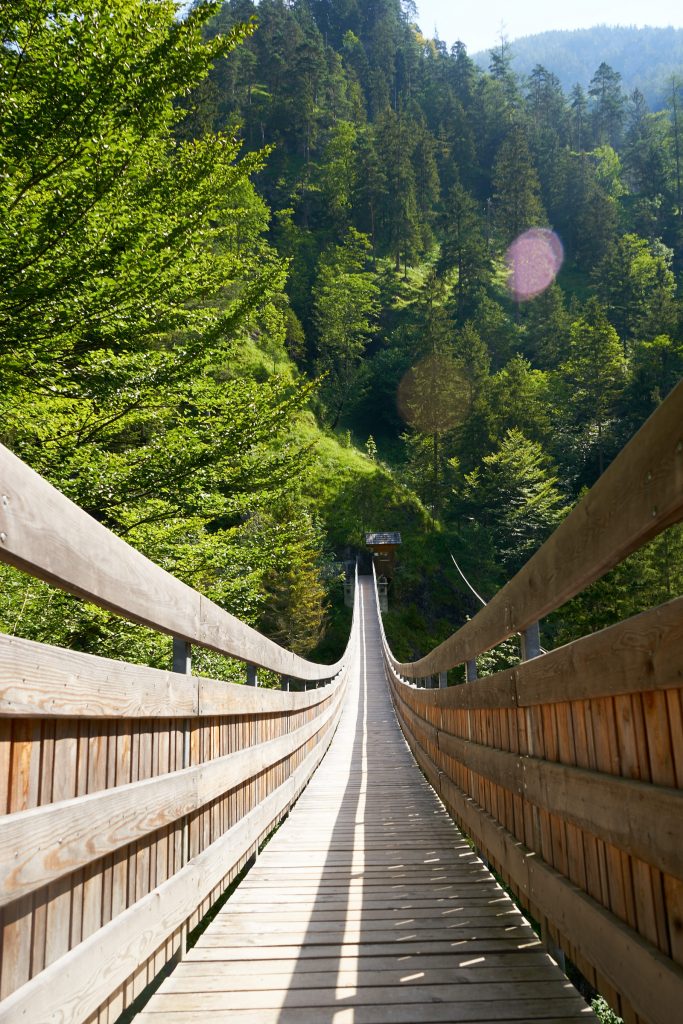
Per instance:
x=134, y=796
x=567, y=770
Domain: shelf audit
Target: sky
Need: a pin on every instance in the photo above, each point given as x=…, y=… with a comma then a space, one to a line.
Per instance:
x=479, y=24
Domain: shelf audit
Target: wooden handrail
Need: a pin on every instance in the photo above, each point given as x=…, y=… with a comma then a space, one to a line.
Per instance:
x=135, y=796
x=46, y=535
x=43, y=844
x=567, y=770
x=639, y=495
x=77, y=984
x=41, y=681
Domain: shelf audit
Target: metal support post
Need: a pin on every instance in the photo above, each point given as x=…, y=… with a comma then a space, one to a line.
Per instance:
x=443, y=680
x=182, y=663
x=531, y=642
x=284, y=683
x=252, y=676
x=182, y=656
x=471, y=670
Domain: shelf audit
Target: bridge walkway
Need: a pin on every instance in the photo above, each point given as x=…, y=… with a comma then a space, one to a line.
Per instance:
x=367, y=906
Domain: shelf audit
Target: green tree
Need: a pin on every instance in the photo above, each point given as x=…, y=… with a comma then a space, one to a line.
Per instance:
x=400, y=235
x=578, y=118
x=514, y=503
x=636, y=283
x=647, y=155
x=337, y=176
x=371, y=187
x=345, y=310
x=518, y=399
x=110, y=228
x=427, y=186
x=656, y=368
x=545, y=327
x=608, y=106
x=516, y=187
x=586, y=217
x=134, y=275
x=591, y=382
x=546, y=106
x=464, y=248
x=500, y=67
x=674, y=103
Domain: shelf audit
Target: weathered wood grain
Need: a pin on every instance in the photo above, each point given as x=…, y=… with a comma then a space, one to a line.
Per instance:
x=40, y=845
x=651, y=982
x=370, y=882
x=76, y=984
x=40, y=681
x=49, y=537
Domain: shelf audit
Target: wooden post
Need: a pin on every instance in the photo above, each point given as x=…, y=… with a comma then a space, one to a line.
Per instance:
x=471, y=670
x=252, y=675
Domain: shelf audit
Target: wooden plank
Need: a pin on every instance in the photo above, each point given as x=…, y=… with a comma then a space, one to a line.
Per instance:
x=237, y=977
x=41, y=845
x=37, y=680
x=51, y=538
x=463, y=1012
x=350, y=885
x=560, y=992
x=80, y=981
x=637, y=496
x=651, y=981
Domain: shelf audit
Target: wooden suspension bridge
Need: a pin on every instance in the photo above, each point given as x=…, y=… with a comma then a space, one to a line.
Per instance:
x=134, y=798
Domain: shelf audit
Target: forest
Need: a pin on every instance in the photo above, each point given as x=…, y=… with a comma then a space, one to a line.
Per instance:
x=646, y=57
x=267, y=281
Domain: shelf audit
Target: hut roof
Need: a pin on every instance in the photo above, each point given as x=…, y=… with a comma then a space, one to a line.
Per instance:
x=374, y=539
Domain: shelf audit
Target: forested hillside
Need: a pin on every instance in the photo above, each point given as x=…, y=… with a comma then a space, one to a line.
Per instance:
x=646, y=58
x=254, y=300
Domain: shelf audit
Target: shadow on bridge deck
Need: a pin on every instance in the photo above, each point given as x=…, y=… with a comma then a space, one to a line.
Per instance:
x=368, y=906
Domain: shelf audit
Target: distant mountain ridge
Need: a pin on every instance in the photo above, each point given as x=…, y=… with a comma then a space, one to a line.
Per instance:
x=645, y=57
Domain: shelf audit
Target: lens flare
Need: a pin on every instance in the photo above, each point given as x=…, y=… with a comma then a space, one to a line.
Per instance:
x=434, y=395
x=534, y=260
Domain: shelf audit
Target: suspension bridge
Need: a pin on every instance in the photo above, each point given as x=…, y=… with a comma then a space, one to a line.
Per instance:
x=406, y=850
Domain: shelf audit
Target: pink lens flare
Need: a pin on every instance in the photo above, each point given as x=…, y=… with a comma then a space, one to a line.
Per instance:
x=534, y=260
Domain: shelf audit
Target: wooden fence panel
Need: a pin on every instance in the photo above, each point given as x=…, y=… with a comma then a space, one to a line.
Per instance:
x=575, y=803
x=102, y=812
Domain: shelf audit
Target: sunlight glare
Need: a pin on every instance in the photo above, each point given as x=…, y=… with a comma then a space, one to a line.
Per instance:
x=534, y=260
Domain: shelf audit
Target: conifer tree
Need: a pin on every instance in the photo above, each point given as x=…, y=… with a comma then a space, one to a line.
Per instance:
x=592, y=381
x=345, y=308
x=464, y=248
x=578, y=118
x=395, y=134
x=608, y=106
x=514, y=502
x=516, y=187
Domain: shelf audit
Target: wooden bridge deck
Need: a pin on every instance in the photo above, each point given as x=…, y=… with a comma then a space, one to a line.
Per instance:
x=367, y=906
